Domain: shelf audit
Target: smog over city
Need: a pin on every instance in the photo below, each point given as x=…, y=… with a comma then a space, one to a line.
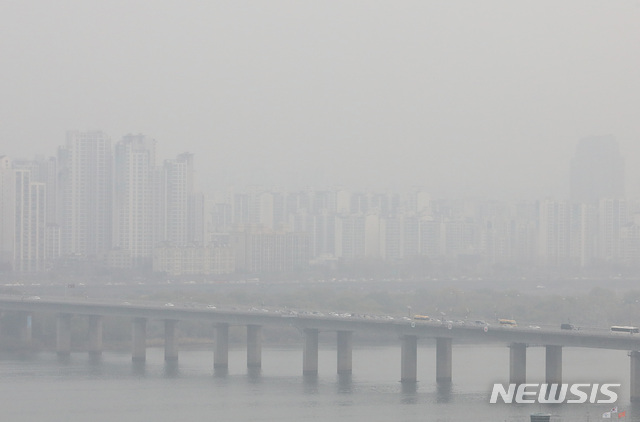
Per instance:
x=352, y=210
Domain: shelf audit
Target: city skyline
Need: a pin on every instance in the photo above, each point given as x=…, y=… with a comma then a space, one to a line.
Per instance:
x=123, y=207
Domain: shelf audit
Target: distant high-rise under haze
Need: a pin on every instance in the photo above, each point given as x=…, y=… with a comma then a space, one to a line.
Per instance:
x=134, y=200
x=85, y=183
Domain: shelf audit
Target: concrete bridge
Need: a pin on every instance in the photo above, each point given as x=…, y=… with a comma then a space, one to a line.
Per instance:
x=18, y=310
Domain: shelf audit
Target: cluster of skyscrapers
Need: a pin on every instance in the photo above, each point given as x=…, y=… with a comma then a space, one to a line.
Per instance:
x=96, y=203
x=120, y=207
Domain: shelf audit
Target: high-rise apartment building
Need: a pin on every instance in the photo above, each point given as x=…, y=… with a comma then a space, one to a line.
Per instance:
x=612, y=217
x=554, y=233
x=85, y=193
x=597, y=170
x=349, y=236
x=30, y=223
x=43, y=170
x=7, y=212
x=261, y=250
x=183, y=206
x=583, y=233
x=134, y=197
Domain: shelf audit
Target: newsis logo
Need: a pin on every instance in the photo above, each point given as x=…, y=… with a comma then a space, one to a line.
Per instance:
x=555, y=393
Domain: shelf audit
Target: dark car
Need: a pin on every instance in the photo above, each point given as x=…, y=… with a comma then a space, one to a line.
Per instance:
x=567, y=327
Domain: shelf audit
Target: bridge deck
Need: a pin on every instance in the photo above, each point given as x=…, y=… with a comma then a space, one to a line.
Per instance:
x=458, y=332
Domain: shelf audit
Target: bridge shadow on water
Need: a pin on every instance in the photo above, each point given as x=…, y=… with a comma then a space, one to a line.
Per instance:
x=139, y=369
x=171, y=369
x=95, y=359
x=409, y=393
x=64, y=359
x=310, y=383
x=95, y=365
x=344, y=384
x=254, y=375
x=444, y=392
x=220, y=372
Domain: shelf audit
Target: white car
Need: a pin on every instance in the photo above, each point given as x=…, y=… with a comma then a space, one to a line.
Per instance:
x=169, y=304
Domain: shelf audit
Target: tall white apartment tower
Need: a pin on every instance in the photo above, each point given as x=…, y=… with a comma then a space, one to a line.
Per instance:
x=554, y=232
x=133, y=196
x=183, y=211
x=86, y=193
x=30, y=223
x=612, y=216
x=7, y=212
x=43, y=170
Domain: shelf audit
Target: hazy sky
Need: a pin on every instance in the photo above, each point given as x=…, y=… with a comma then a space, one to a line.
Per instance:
x=463, y=97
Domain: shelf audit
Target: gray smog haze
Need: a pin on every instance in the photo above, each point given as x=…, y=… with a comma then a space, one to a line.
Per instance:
x=462, y=97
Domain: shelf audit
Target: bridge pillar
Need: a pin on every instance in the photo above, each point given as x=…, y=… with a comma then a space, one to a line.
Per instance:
x=409, y=359
x=254, y=346
x=310, y=352
x=221, y=354
x=635, y=376
x=24, y=328
x=345, y=352
x=443, y=359
x=16, y=328
x=553, y=360
x=63, y=335
x=170, y=340
x=95, y=335
x=139, y=340
x=517, y=363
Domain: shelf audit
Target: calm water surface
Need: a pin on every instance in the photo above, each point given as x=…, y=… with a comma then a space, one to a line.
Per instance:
x=41, y=388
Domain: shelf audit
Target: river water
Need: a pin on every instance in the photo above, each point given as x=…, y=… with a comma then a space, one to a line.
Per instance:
x=41, y=388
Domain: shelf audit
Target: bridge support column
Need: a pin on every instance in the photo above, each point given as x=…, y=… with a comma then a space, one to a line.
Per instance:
x=24, y=328
x=139, y=340
x=221, y=354
x=3, y=326
x=517, y=363
x=409, y=359
x=63, y=335
x=16, y=329
x=635, y=376
x=254, y=346
x=553, y=359
x=345, y=352
x=443, y=359
x=310, y=352
x=170, y=340
x=95, y=335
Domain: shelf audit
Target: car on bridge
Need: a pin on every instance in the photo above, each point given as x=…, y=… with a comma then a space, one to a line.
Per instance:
x=624, y=329
x=421, y=318
x=507, y=323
